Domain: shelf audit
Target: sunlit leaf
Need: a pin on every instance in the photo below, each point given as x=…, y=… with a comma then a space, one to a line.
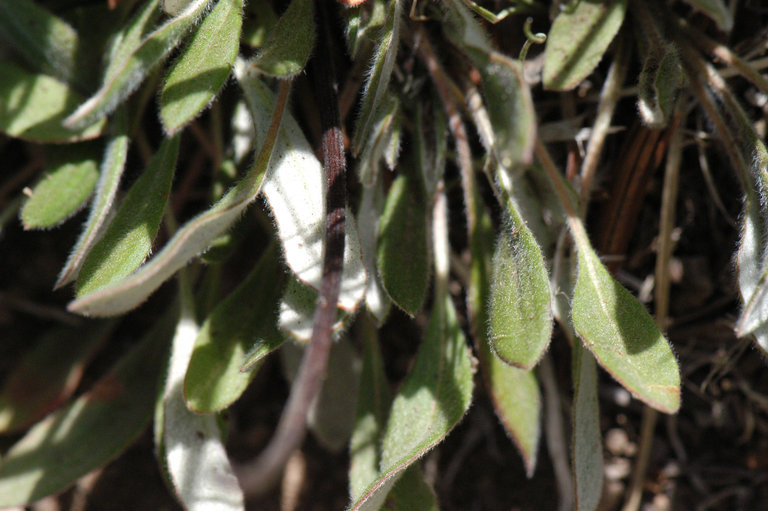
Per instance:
x=245, y=320
x=112, y=166
x=47, y=375
x=520, y=315
x=297, y=311
x=202, y=69
x=197, y=234
x=195, y=459
x=432, y=400
x=295, y=191
x=587, y=437
x=287, y=50
x=128, y=239
x=68, y=182
x=32, y=107
x=403, y=223
x=578, y=39
x=106, y=419
x=378, y=77
x=131, y=65
x=376, y=299
x=48, y=44
x=622, y=335
x=514, y=392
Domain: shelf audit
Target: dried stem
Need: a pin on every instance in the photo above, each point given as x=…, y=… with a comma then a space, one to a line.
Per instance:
x=293, y=423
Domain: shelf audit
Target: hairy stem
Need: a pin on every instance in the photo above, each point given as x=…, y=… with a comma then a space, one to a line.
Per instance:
x=293, y=423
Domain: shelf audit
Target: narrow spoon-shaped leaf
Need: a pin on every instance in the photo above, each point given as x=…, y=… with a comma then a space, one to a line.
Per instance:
x=195, y=459
x=69, y=181
x=47, y=376
x=621, y=334
x=128, y=238
x=520, y=315
x=106, y=419
x=580, y=35
x=587, y=437
x=376, y=299
x=32, y=107
x=514, y=392
x=112, y=166
x=202, y=69
x=196, y=235
x=47, y=43
x=403, y=250
x=245, y=320
x=290, y=43
x=379, y=75
x=126, y=73
x=433, y=399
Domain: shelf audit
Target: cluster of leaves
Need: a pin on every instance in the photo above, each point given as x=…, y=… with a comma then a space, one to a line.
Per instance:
x=56, y=91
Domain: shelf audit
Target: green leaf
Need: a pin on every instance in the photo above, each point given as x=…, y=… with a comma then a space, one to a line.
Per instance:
x=411, y=493
x=294, y=190
x=196, y=462
x=370, y=420
x=376, y=299
x=578, y=39
x=514, y=392
x=259, y=22
x=717, y=10
x=520, y=315
x=32, y=107
x=112, y=167
x=622, y=335
x=290, y=44
x=48, y=44
x=404, y=273
x=383, y=143
x=130, y=65
x=67, y=185
x=432, y=400
x=129, y=37
x=106, y=419
x=197, y=234
x=128, y=239
x=507, y=94
x=197, y=76
x=297, y=311
x=245, y=320
x=47, y=375
x=378, y=76
x=659, y=85
x=587, y=437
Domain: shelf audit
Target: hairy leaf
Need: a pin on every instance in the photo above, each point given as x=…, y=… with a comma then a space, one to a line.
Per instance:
x=432, y=400
x=132, y=64
x=520, y=315
x=622, y=335
x=47, y=375
x=514, y=392
x=587, y=438
x=378, y=77
x=32, y=107
x=659, y=85
x=106, y=419
x=69, y=181
x=403, y=223
x=128, y=239
x=245, y=320
x=578, y=39
x=290, y=43
x=197, y=234
x=202, y=69
x=112, y=167
x=195, y=458
x=376, y=299
x=48, y=43
x=297, y=311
